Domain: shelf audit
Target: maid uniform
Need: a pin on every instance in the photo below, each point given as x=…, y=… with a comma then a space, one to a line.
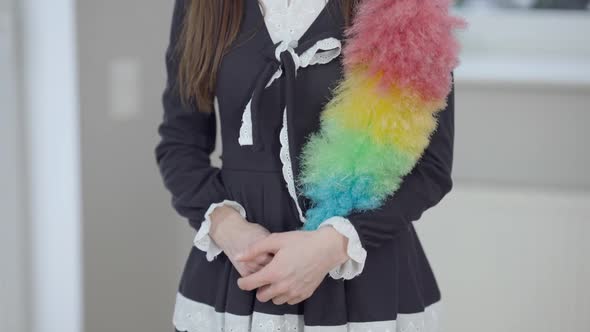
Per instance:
x=272, y=85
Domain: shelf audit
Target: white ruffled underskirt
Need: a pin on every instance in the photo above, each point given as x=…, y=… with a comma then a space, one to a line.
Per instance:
x=192, y=316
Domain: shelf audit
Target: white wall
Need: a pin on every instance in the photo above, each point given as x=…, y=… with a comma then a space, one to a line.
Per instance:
x=50, y=105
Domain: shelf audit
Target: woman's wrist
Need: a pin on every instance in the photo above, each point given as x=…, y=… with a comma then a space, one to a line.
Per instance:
x=355, y=263
x=221, y=217
x=338, y=244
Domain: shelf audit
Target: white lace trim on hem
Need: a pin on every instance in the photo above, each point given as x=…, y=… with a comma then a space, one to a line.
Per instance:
x=202, y=239
x=192, y=316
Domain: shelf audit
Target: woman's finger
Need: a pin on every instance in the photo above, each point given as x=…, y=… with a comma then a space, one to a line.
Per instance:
x=264, y=259
x=269, y=245
x=295, y=300
x=242, y=270
x=282, y=299
x=290, y=296
x=258, y=263
x=266, y=275
x=252, y=268
x=274, y=290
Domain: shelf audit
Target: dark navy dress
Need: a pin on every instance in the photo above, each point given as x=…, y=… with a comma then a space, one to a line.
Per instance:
x=396, y=291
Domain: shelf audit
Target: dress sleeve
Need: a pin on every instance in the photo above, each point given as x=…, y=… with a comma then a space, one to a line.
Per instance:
x=355, y=264
x=203, y=240
x=187, y=138
x=421, y=189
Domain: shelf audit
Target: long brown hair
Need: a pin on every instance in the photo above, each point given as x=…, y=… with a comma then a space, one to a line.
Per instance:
x=209, y=28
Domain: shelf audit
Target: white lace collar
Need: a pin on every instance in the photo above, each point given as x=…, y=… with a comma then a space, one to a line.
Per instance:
x=289, y=19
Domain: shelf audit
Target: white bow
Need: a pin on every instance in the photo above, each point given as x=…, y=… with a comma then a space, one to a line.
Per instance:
x=330, y=49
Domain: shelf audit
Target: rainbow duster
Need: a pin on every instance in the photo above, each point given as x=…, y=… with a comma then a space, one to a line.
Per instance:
x=397, y=61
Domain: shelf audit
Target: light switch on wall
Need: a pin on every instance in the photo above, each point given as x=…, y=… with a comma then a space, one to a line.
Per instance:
x=124, y=88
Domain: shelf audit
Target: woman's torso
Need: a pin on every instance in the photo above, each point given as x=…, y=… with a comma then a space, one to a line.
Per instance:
x=396, y=279
x=240, y=69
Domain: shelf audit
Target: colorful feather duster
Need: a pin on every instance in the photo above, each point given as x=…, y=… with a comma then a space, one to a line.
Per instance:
x=397, y=63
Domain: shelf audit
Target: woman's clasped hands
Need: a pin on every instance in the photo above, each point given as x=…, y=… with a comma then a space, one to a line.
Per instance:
x=284, y=267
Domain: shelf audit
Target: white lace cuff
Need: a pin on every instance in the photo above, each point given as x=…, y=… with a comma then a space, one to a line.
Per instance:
x=202, y=240
x=355, y=264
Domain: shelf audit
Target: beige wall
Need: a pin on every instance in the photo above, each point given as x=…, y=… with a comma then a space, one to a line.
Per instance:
x=509, y=244
x=511, y=259
x=13, y=248
x=133, y=244
x=523, y=134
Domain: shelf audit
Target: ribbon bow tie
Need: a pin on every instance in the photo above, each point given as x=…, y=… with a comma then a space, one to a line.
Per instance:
x=285, y=57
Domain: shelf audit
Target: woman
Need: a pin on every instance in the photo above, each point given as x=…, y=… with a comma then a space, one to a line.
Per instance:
x=336, y=124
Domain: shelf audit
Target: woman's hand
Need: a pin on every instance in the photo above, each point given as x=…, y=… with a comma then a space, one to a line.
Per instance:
x=234, y=234
x=301, y=261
